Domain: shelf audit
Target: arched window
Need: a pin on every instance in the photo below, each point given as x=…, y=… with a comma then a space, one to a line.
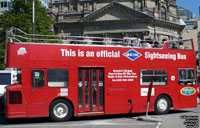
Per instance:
x=163, y=13
x=140, y=5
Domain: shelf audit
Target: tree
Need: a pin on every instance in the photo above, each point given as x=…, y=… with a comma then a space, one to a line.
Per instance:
x=20, y=16
x=2, y=49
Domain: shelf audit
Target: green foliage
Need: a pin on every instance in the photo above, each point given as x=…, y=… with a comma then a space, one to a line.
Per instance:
x=2, y=49
x=21, y=17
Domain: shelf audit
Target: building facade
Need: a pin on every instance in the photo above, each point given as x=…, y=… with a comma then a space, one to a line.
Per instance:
x=5, y=5
x=184, y=13
x=155, y=19
x=45, y=3
x=191, y=30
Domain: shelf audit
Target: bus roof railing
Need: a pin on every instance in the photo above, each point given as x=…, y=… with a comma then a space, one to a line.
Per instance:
x=15, y=35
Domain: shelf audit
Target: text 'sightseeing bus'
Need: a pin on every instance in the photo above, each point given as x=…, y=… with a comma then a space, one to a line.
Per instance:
x=97, y=76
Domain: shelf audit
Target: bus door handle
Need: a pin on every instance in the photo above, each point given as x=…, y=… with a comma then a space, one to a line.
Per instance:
x=33, y=89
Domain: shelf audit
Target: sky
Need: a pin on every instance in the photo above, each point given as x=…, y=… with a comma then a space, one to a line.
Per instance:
x=192, y=5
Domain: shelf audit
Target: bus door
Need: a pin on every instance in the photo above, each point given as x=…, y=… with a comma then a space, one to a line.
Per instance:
x=38, y=93
x=90, y=89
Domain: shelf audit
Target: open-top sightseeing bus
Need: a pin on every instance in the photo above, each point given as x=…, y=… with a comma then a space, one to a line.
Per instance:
x=86, y=76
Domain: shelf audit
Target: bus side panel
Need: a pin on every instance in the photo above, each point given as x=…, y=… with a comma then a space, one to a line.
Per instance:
x=16, y=103
x=120, y=94
x=17, y=56
x=10, y=55
x=118, y=100
x=73, y=87
x=183, y=101
x=179, y=100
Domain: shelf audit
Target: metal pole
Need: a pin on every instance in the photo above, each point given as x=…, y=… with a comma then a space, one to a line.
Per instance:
x=33, y=16
x=147, y=109
x=149, y=96
x=154, y=24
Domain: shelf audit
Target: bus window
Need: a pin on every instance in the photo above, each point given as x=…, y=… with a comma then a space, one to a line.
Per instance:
x=101, y=85
x=186, y=76
x=37, y=78
x=5, y=79
x=57, y=77
x=80, y=81
x=94, y=88
x=159, y=77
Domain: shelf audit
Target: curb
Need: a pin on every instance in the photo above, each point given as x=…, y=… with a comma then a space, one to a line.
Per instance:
x=150, y=119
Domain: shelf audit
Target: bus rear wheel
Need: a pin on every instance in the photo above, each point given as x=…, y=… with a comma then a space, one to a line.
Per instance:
x=162, y=105
x=60, y=110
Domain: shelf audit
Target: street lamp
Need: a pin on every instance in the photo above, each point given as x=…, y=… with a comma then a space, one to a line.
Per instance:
x=33, y=20
x=154, y=24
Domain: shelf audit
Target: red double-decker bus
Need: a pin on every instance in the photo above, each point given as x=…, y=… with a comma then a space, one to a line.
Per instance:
x=99, y=78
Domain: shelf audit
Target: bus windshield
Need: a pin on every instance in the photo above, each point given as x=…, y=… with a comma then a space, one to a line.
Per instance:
x=5, y=79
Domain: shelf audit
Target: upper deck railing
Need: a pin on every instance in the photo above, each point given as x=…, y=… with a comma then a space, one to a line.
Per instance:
x=15, y=35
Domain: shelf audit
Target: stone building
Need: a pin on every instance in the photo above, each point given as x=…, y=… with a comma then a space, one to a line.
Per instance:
x=191, y=30
x=155, y=19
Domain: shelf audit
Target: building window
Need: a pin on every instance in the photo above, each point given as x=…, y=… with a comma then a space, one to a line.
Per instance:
x=163, y=13
x=10, y=5
x=75, y=8
x=186, y=76
x=3, y=4
x=72, y=7
x=58, y=77
x=88, y=6
x=159, y=77
x=140, y=6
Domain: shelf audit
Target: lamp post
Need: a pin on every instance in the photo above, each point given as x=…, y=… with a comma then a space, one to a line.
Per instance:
x=154, y=24
x=33, y=20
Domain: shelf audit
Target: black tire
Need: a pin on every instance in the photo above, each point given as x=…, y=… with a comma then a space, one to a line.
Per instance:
x=60, y=110
x=162, y=105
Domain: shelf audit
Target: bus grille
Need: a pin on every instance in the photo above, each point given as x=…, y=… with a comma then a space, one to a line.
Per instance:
x=15, y=97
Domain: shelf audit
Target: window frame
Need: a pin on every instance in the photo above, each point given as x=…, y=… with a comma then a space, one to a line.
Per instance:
x=67, y=82
x=34, y=70
x=153, y=75
x=186, y=79
x=163, y=13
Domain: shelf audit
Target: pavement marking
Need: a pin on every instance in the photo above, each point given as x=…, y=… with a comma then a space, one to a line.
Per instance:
x=105, y=122
x=159, y=125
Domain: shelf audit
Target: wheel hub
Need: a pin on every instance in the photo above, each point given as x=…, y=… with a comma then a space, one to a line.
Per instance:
x=60, y=110
x=162, y=105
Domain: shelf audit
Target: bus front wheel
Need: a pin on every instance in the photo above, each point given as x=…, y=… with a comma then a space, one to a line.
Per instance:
x=162, y=105
x=60, y=110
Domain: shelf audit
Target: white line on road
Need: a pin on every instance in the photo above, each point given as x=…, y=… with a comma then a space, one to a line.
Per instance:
x=159, y=125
